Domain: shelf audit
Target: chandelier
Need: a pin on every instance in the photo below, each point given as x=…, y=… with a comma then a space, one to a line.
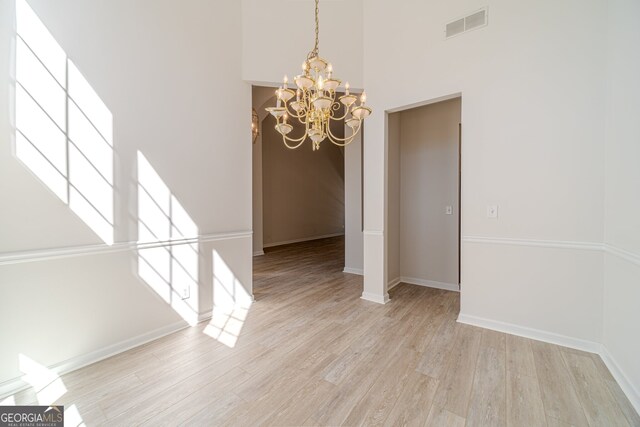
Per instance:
x=314, y=103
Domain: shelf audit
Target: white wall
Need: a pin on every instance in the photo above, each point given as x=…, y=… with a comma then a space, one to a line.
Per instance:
x=393, y=191
x=353, y=239
x=532, y=144
x=156, y=66
x=278, y=34
x=423, y=173
x=622, y=207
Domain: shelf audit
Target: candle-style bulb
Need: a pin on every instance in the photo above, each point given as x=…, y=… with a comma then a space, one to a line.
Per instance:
x=285, y=117
x=298, y=94
x=320, y=83
x=305, y=66
x=363, y=98
x=346, y=88
x=285, y=80
x=278, y=100
x=329, y=70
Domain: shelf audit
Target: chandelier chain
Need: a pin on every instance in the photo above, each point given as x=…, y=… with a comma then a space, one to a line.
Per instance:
x=314, y=52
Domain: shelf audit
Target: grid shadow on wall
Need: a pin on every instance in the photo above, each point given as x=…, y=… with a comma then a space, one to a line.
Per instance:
x=168, y=258
x=63, y=128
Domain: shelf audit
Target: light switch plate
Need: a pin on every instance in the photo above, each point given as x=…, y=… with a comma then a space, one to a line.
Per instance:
x=449, y=210
x=492, y=211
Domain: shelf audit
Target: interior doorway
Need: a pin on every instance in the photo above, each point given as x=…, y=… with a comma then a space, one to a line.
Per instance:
x=424, y=188
x=298, y=194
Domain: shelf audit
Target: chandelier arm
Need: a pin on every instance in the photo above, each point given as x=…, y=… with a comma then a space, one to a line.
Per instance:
x=293, y=147
x=305, y=108
x=346, y=111
x=350, y=138
x=297, y=116
x=335, y=107
x=295, y=140
x=301, y=139
x=345, y=142
x=303, y=113
x=307, y=101
x=302, y=122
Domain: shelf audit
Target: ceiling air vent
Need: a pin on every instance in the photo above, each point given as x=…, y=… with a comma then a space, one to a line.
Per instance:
x=470, y=22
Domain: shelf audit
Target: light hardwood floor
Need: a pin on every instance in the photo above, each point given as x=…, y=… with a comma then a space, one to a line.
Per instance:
x=311, y=352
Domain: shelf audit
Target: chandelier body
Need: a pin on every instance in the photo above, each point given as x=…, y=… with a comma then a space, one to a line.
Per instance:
x=314, y=103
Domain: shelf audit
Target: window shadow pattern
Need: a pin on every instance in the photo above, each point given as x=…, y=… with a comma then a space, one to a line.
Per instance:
x=63, y=129
x=168, y=239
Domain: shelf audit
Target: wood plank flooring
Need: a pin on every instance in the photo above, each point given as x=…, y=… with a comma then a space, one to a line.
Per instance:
x=311, y=352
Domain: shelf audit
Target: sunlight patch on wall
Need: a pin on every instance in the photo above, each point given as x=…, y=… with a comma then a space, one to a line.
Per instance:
x=231, y=303
x=228, y=292
x=64, y=132
x=170, y=269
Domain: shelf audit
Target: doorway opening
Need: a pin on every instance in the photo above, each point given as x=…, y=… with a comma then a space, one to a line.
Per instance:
x=298, y=201
x=424, y=189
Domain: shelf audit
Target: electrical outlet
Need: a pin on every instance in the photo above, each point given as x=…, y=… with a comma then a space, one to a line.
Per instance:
x=449, y=210
x=185, y=294
x=492, y=211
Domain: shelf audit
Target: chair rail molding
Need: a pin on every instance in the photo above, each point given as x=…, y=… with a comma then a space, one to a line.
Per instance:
x=604, y=247
x=81, y=250
x=558, y=244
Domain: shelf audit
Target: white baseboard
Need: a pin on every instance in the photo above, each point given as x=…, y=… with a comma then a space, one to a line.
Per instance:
x=15, y=385
x=380, y=299
x=350, y=270
x=393, y=283
x=627, y=387
x=258, y=253
x=536, y=334
x=304, y=239
x=430, y=283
